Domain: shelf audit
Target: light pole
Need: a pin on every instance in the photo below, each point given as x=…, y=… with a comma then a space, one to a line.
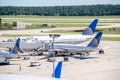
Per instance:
x=53, y=36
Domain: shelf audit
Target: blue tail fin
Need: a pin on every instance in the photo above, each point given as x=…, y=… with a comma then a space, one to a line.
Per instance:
x=16, y=47
x=57, y=71
x=96, y=40
x=91, y=28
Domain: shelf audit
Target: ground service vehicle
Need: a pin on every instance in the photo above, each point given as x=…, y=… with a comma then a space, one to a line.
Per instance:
x=34, y=63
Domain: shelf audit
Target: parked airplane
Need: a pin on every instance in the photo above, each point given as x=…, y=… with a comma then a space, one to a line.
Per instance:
x=79, y=49
x=86, y=35
x=57, y=75
x=13, y=52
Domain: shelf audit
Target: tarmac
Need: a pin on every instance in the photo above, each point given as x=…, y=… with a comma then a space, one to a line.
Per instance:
x=94, y=67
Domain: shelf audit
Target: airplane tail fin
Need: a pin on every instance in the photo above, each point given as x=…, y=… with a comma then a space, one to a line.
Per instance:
x=96, y=40
x=91, y=28
x=57, y=71
x=16, y=47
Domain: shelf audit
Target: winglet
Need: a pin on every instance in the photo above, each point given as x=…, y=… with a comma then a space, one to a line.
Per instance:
x=16, y=47
x=96, y=40
x=57, y=71
x=91, y=28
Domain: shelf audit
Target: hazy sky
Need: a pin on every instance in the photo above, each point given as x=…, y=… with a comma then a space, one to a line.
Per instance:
x=55, y=2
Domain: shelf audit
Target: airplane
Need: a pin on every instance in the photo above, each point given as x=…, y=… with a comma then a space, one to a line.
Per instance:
x=78, y=49
x=13, y=52
x=56, y=76
x=87, y=34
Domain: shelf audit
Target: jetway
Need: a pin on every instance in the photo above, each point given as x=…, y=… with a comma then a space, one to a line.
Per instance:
x=43, y=46
x=27, y=45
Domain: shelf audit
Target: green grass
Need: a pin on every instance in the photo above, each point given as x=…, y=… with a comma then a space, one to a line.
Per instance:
x=14, y=35
x=104, y=30
x=56, y=31
x=58, y=19
x=61, y=21
x=110, y=30
x=79, y=25
x=111, y=38
x=38, y=26
x=65, y=21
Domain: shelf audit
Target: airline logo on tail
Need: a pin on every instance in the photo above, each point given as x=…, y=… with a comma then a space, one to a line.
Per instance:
x=96, y=40
x=16, y=47
x=91, y=29
x=57, y=71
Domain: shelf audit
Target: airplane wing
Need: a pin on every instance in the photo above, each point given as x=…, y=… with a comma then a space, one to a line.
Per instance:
x=58, y=50
x=61, y=50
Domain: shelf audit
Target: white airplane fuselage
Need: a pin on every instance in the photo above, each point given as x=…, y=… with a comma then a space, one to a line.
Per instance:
x=7, y=54
x=65, y=38
x=74, y=48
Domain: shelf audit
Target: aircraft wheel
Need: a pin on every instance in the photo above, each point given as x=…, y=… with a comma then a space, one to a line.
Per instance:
x=101, y=51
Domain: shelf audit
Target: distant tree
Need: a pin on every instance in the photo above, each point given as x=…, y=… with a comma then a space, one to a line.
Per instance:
x=83, y=10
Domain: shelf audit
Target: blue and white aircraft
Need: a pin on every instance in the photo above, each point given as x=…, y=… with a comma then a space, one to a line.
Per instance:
x=57, y=75
x=86, y=35
x=78, y=49
x=13, y=52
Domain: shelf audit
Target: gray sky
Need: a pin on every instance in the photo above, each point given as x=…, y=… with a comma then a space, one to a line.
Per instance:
x=55, y=2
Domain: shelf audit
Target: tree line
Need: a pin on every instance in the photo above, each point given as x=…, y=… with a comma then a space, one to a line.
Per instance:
x=83, y=10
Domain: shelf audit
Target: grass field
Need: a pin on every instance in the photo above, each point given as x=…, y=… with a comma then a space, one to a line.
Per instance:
x=62, y=21
x=111, y=38
x=65, y=21
x=104, y=30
